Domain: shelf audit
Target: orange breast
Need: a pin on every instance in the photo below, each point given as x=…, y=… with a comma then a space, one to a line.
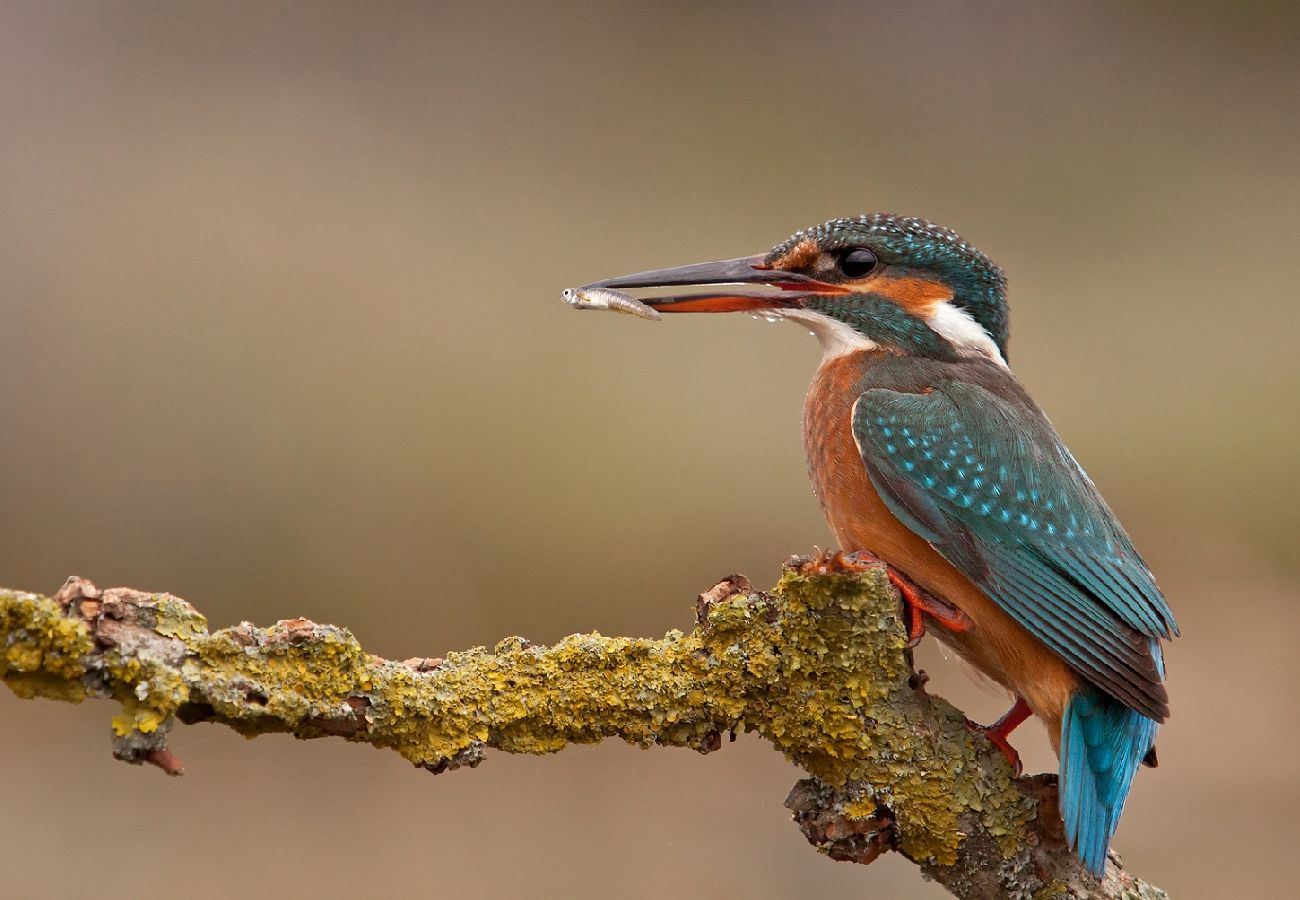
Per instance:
x=995, y=644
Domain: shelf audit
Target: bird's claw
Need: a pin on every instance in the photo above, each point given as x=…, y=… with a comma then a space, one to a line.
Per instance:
x=915, y=599
x=998, y=732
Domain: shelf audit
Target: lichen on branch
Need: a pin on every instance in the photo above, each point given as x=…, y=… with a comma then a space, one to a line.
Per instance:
x=819, y=666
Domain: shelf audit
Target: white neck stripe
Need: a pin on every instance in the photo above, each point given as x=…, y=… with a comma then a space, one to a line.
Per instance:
x=960, y=329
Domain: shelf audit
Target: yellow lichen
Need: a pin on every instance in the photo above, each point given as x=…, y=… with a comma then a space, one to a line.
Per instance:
x=40, y=641
x=137, y=717
x=176, y=618
x=819, y=667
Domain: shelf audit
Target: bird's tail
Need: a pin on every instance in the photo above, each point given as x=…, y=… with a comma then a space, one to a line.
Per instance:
x=1102, y=744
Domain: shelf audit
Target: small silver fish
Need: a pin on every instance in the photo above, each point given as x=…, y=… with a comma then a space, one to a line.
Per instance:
x=604, y=298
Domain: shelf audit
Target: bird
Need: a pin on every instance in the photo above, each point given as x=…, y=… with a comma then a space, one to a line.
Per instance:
x=927, y=453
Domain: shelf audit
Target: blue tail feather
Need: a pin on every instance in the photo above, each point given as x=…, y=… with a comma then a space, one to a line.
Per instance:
x=1102, y=745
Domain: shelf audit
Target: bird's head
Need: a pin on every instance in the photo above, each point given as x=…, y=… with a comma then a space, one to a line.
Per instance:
x=888, y=281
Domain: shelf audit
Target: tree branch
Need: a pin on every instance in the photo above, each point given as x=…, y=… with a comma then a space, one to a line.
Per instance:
x=819, y=666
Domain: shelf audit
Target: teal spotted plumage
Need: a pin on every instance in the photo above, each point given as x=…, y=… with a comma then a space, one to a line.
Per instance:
x=990, y=485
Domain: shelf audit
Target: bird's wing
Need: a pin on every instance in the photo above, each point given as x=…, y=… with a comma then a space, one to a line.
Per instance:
x=994, y=490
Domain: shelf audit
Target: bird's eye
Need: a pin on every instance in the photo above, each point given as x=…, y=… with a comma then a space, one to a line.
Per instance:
x=857, y=262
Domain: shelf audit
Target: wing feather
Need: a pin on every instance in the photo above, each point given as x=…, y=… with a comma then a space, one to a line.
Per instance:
x=991, y=486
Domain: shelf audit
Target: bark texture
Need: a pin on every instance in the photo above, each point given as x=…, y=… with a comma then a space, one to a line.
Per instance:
x=819, y=666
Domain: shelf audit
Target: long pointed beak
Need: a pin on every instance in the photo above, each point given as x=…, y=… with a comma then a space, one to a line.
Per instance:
x=780, y=289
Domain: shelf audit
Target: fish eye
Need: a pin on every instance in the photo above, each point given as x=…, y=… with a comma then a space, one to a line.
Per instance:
x=857, y=262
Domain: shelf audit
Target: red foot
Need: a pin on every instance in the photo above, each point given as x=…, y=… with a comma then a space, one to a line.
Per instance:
x=915, y=600
x=998, y=731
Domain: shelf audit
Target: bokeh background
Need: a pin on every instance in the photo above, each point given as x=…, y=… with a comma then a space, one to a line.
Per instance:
x=280, y=332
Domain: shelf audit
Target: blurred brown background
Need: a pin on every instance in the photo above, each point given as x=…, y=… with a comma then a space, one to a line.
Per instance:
x=280, y=332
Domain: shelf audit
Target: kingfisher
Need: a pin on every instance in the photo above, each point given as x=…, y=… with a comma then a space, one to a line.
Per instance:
x=927, y=453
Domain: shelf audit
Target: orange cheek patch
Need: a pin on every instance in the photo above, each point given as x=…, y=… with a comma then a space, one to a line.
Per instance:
x=918, y=296
x=802, y=254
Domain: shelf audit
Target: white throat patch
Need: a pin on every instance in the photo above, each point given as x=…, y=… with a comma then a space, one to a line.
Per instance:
x=836, y=338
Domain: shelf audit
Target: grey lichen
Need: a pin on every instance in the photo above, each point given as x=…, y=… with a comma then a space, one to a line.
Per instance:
x=819, y=666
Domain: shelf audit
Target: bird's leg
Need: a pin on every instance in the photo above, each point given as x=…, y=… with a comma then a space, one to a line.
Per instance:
x=998, y=731
x=916, y=601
